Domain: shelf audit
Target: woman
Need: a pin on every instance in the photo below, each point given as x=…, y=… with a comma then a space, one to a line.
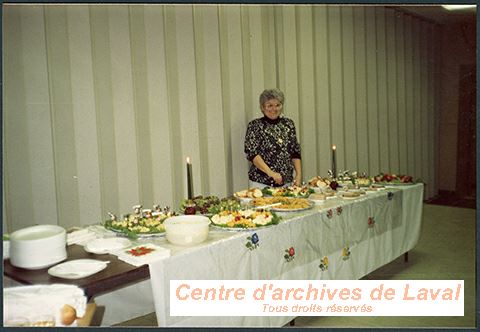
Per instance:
x=271, y=145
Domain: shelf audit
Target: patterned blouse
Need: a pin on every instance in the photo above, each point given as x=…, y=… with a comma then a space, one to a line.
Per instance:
x=276, y=142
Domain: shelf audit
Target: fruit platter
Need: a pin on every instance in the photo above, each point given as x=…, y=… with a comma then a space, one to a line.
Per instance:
x=393, y=179
x=140, y=223
x=292, y=191
x=244, y=219
x=208, y=205
x=283, y=204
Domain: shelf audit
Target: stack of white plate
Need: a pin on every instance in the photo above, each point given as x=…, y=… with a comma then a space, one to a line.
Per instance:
x=6, y=249
x=38, y=246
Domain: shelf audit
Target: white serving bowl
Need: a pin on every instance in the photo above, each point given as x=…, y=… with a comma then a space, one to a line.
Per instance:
x=186, y=230
x=37, y=247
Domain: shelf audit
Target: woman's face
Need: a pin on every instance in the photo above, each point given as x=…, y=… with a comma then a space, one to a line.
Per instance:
x=272, y=108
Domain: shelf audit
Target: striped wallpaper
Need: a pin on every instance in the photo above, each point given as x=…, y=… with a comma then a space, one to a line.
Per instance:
x=103, y=103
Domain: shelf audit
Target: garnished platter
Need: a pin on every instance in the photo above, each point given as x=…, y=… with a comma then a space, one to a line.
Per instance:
x=140, y=223
x=241, y=220
x=208, y=205
x=388, y=179
x=288, y=204
x=137, y=235
x=318, y=183
x=292, y=191
x=248, y=193
x=362, y=181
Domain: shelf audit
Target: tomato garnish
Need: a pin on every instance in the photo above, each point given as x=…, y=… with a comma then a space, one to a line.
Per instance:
x=140, y=251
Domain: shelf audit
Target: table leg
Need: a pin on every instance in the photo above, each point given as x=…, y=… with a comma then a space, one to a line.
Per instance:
x=405, y=257
x=86, y=320
x=292, y=322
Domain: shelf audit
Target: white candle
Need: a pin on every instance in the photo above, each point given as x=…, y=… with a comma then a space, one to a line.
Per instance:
x=189, y=179
x=334, y=161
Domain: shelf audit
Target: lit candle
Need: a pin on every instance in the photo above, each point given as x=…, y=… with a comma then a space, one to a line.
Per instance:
x=334, y=161
x=189, y=179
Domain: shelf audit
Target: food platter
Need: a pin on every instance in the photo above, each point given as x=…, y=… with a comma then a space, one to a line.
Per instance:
x=388, y=179
x=276, y=209
x=246, y=196
x=353, y=194
x=244, y=219
x=208, y=205
x=319, y=184
x=292, y=191
x=126, y=233
x=240, y=229
x=363, y=182
x=288, y=204
x=140, y=223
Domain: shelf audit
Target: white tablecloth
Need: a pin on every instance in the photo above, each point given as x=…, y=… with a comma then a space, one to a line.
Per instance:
x=313, y=235
x=357, y=236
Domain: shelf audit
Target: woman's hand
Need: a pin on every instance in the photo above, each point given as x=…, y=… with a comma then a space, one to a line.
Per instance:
x=277, y=177
x=261, y=165
x=297, y=182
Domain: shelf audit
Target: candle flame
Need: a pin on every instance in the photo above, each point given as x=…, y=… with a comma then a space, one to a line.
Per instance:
x=188, y=160
x=334, y=147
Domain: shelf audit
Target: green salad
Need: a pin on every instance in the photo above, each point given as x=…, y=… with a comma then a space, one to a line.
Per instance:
x=208, y=205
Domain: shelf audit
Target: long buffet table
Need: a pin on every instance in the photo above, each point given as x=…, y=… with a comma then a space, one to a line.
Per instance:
x=340, y=239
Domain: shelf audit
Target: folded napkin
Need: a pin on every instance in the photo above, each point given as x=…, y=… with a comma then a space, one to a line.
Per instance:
x=142, y=254
x=41, y=305
x=80, y=237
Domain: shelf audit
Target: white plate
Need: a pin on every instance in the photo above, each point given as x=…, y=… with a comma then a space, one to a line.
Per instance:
x=77, y=269
x=104, y=246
